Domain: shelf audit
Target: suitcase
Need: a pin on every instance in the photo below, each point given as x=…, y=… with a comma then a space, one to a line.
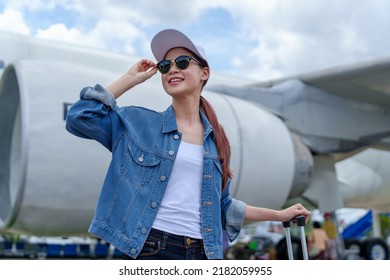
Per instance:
x=300, y=222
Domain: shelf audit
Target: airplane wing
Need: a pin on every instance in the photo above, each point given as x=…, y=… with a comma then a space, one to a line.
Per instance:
x=367, y=82
x=337, y=110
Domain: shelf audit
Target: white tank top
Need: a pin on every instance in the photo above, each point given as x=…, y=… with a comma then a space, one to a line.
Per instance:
x=179, y=212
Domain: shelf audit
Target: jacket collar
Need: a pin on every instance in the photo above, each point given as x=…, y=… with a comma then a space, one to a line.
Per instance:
x=169, y=122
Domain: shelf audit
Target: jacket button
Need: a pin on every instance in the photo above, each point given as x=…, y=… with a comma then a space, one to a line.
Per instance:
x=141, y=158
x=171, y=153
x=176, y=137
x=163, y=178
x=143, y=230
x=133, y=251
x=154, y=204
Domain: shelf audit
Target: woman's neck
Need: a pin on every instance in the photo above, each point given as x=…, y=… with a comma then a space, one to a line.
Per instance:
x=189, y=122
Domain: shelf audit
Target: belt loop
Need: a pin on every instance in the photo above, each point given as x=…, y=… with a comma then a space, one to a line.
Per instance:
x=164, y=243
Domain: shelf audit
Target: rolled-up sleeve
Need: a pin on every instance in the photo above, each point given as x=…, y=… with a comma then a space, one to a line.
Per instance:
x=234, y=218
x=99, y=93
x=93, y=117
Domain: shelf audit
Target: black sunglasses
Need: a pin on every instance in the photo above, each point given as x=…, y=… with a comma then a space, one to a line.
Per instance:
x=181, y=62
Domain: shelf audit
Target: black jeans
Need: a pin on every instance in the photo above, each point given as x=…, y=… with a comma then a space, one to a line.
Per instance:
x=161, y=245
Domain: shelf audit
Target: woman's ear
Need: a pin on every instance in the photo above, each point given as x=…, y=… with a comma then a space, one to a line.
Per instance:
x=205, y=74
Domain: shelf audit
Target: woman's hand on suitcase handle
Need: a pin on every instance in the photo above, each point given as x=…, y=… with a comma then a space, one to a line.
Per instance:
x=292, y=212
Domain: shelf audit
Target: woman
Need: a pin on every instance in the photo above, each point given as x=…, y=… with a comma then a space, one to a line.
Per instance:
x=166, y=193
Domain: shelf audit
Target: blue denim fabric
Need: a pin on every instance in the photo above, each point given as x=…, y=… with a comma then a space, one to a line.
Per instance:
x=144, y=144
x=162, y=245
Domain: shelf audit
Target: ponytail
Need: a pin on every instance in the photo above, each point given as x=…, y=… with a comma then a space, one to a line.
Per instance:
x=222, y=143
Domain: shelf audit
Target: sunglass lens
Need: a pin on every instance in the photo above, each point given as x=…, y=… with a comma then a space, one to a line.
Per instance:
x=164, y=66
x=182, y=62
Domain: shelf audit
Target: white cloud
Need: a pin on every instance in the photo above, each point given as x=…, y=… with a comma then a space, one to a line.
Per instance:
x=12, y=20
x=120, y=36
x=60, y=32
x=292, y=37
x=40, y=4
x=114, y=36
x=147, y=13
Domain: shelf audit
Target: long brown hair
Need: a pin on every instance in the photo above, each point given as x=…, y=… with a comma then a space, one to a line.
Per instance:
x=222, y=142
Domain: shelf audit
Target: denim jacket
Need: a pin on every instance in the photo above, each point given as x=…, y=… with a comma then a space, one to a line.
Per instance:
x=144, y=144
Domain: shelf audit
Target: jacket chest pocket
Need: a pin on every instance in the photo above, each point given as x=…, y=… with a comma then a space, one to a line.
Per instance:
x=138, y=166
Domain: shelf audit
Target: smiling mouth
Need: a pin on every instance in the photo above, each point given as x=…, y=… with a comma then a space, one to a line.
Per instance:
x=175, y=80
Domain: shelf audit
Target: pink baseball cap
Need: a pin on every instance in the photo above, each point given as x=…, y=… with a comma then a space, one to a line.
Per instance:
x=168, y=39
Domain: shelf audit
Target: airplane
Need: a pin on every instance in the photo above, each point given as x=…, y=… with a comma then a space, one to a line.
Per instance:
x=322, y=138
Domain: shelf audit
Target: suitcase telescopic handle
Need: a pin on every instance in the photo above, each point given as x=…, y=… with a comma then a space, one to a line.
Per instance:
x=300, y=221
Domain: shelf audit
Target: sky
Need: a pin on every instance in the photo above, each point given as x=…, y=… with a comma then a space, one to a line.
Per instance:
x=261, y=39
